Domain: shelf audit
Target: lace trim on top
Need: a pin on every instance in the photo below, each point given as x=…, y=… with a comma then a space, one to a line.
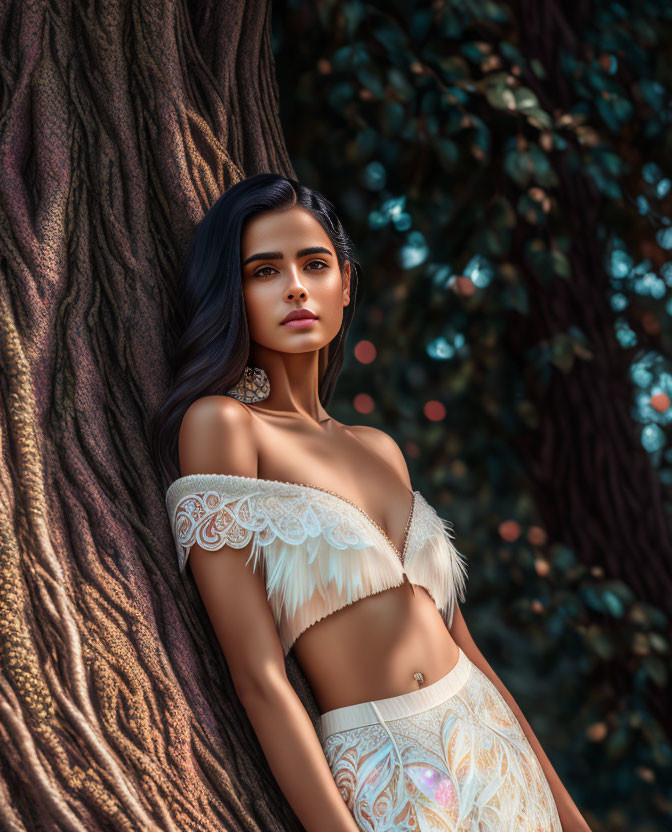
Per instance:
x=318, y=551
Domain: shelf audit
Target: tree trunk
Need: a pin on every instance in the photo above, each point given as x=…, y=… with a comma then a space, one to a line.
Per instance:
x=121, y=125
x=594, y=483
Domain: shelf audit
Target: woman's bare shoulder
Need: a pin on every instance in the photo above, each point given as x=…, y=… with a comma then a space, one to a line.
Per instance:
x=216, y=437
x=372, y=435
x=383, y=444
x=210, y=408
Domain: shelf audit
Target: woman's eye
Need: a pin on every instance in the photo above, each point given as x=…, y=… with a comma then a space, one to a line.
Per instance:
x=263, y=269
x=260, y=272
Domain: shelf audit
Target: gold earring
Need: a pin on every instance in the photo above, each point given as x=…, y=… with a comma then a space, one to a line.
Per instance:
x=253, y=386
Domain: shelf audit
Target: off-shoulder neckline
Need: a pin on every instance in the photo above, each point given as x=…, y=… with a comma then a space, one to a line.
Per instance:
x=409, y=522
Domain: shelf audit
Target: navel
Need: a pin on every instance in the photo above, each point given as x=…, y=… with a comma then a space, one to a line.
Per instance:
x=420, y=678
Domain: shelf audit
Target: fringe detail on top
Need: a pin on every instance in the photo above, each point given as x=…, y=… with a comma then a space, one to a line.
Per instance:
x=317, y=551
x=323, y=605
x=299, y=595
x=433, y=561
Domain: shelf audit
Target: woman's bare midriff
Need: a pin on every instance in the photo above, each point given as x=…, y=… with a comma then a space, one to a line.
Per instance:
x=371, y=648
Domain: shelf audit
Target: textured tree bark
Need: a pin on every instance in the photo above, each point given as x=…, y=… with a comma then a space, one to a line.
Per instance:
x=122, y=124
x=594, y=483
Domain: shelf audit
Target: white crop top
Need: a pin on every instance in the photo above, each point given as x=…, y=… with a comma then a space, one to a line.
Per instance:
x=318, y=551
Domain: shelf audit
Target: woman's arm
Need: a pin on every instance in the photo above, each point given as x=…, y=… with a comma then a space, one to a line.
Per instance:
x=215, y=437
x=295, y=756
x=235, y=600
x=572, y=820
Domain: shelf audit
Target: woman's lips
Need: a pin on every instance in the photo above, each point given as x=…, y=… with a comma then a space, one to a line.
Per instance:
x=300, y=323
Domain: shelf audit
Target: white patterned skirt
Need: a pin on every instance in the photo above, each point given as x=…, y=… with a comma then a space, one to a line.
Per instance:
x=448, y=756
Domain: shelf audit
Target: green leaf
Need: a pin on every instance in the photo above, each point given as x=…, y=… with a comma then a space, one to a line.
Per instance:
x=497, y=91
x=370, y=77
x=538, y=117
x=601, y=643
x=659, y=643
x=393, y=116
x=563, y=557
x=656, y=669
x=562, y=352
x=561, y=265
x=447, y=152
x=613, y=604
x=525, y=99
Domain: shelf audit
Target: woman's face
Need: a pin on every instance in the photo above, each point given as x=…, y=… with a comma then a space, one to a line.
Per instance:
x=289, y=263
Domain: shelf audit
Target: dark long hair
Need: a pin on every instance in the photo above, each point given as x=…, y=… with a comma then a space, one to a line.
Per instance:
x=213, y=347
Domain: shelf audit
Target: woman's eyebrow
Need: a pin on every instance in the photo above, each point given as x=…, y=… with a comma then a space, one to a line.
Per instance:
x=278, y=255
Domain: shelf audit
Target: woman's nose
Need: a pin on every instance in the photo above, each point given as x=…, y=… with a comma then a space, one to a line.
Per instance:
x=294, y=285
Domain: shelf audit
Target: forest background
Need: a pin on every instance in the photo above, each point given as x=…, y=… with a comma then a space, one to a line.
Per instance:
x=504, y=170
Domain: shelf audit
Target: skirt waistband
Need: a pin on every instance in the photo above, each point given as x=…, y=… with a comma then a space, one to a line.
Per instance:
x=396, y=707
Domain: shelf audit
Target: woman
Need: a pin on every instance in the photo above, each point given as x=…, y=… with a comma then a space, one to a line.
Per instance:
x=305, y=534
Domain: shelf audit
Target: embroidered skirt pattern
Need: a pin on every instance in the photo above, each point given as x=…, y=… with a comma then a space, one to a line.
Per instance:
x=448, y=757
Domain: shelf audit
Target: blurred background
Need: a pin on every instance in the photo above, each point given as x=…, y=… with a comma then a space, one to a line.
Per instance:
x=503, y=170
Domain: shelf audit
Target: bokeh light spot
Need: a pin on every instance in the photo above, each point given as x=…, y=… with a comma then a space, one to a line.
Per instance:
x=660, y=402
x=597, y=731
x=650, y=323
x=542, y=567
x=509, y=530
x=653, y=438
x=440, y=348
x=435, y=410
x=537, y=536
x=374, y=176
x=663, y=188
x=412, y=449
x=363, y=403
x=479, y=270
x=365, y=352
x=463, y=285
